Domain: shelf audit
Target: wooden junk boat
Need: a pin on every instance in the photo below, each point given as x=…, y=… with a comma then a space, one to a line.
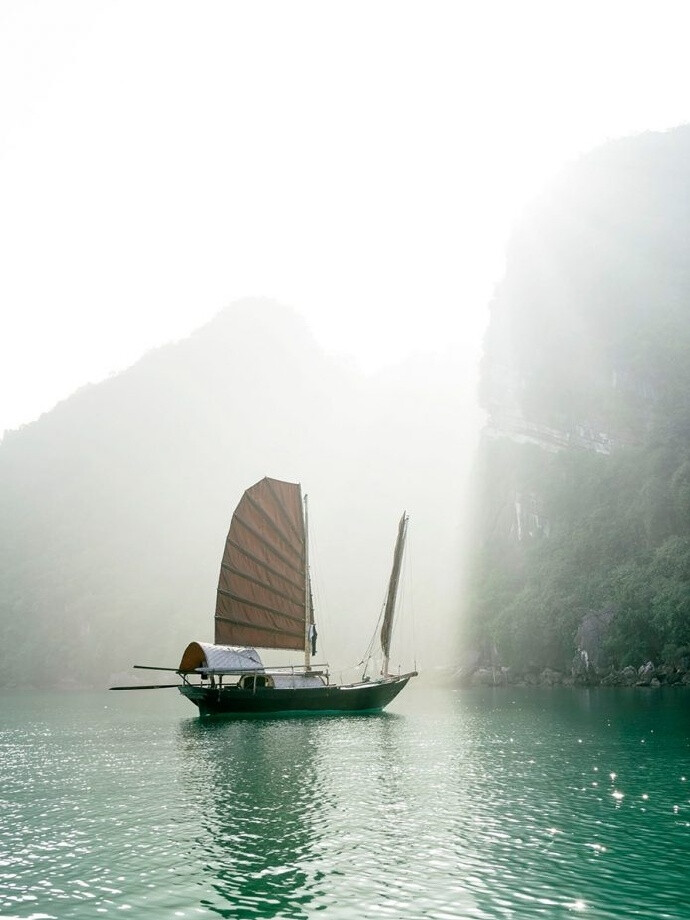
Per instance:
x=264, y=601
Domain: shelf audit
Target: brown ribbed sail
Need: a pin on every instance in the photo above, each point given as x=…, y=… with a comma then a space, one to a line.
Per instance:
x=261, y=590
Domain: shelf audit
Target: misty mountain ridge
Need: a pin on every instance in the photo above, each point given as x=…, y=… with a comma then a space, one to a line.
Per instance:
x=115, y=505
x=582, y=489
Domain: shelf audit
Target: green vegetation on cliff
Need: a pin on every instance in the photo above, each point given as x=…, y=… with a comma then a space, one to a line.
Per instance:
x=619, y=536
x=583, y=479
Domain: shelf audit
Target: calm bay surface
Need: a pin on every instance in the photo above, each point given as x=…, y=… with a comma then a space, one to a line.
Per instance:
x=478, y=803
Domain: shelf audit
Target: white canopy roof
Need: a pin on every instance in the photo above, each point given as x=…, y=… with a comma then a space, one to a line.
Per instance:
x=205, y=655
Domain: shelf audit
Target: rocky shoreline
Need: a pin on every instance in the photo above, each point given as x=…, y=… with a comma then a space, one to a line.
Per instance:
x=646, y=675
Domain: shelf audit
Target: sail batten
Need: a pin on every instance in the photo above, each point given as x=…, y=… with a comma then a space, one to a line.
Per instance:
x=264, y=566
x=273, y=530
x=297, y=532
x=292, y=563
x=259, y=583
x=249, y=625
x=271, y=522
x=267, y=607
x=260, y=598
x=230, y=568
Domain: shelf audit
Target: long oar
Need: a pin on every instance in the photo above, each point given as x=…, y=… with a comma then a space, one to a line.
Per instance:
x=149, y=667
x=146, y=687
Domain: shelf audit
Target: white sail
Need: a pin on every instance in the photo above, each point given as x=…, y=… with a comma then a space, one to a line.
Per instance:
x=391, y=597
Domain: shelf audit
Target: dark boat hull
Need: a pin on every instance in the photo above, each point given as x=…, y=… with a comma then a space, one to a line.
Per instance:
x=368, y=696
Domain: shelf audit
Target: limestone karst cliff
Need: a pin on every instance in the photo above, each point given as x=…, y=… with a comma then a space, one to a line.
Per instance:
x=583, y=476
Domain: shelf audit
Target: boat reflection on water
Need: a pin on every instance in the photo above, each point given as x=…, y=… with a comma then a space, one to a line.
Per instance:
x=259, y=795
x=275, y=808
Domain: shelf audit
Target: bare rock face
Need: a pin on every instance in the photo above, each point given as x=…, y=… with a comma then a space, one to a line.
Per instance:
x=591, y=635
x=629, y=676
x=644, y=676
x=550, y=678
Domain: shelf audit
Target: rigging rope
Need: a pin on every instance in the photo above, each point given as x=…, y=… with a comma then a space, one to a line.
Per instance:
x=408, y=577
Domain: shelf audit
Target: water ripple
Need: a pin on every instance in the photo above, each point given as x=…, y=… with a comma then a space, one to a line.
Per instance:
x=480, y=805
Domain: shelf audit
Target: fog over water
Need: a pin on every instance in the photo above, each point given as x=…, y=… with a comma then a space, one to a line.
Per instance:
x=118, y=502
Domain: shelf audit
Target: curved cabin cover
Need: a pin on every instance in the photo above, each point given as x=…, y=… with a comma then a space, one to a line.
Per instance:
x=206, y=656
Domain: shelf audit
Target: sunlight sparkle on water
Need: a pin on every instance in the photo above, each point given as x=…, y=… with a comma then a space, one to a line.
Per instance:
x=597, y=847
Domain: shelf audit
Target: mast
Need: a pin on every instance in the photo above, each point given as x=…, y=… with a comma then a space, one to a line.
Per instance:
x=307, y=592
x=387, y=628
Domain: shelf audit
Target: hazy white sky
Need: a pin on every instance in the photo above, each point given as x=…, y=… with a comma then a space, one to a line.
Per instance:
x=359, y=161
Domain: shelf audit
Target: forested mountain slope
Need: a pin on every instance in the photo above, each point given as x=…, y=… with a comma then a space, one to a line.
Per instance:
x=583, y=477
x=115, y=505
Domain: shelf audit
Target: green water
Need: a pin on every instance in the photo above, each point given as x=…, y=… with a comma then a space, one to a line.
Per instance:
x=476, y=804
